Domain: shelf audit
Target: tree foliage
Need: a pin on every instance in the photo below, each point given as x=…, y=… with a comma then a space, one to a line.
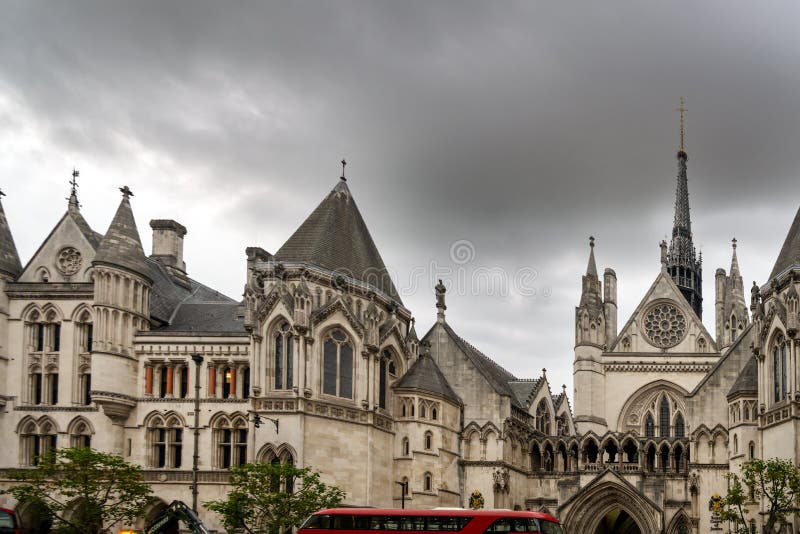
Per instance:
x=83, y=491
x=775, y=481
x=271, y=497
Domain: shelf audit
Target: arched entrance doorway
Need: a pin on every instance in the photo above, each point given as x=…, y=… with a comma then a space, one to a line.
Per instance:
x=33, y=518
x=618, y=521
x=611, y=504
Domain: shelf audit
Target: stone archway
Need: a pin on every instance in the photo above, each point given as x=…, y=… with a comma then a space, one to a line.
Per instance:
x=611, y=504
x=33, y=519
x=618, y=521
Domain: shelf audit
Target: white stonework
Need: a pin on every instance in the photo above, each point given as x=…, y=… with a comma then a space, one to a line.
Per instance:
x=96, y=346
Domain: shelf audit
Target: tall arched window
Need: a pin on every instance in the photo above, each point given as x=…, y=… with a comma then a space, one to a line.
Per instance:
x=405, y=447
x=649, y=426
x=80, y=434
x=166, y=442
x=36, y=440
x=663, y=417
x=543, y=418
x=680, y=426
x=387, y=373
x=284, y=357
x=733, y=328
x=779, y=356
x=428, y=441
x=428, y=482
x=230, y=441
x=337, y=365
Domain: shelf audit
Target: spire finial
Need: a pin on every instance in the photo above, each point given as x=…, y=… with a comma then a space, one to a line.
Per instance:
x=733, y=243
x=73, y=194
x=344, y=164
x=591, y=268
x=126, y=192
x=591, y=241
x=682, y=109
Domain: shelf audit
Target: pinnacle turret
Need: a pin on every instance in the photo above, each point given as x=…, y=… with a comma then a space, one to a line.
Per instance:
x=121, y=246
x=9, y=257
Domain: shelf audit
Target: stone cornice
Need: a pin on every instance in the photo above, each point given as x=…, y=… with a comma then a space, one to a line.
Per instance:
x=658, y=367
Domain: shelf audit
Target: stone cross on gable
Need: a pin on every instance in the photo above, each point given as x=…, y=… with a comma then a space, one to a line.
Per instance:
x=344, y=164
x=126, y=192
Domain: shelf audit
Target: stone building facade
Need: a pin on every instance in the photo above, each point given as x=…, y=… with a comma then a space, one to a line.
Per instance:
x=97, y=340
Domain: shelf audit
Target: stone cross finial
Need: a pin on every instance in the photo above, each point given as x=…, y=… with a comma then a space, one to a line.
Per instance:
x=344, y=164
x=73, y=194
x=126, y=192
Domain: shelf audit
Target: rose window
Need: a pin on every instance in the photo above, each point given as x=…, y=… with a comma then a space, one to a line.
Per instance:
x=69, y=261
x=664, y=325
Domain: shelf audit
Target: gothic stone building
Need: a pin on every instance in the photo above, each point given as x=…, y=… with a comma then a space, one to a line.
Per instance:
x=97, y=338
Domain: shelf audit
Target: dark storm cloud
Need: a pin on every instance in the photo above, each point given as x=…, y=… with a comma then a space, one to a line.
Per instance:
x=522, y=127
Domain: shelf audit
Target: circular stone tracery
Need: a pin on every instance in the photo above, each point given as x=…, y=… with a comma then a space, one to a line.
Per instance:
x=69, y=261
x=664, y=325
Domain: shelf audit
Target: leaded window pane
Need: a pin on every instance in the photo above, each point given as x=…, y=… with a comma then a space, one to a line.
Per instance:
x=663, y=418
x=289, y=362
x=329, y=368
x=346, y=372
x=279, y=361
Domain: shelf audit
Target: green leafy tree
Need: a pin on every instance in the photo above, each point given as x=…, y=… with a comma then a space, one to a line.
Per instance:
x=776, y=481
x=272, y=497
x=83, y=491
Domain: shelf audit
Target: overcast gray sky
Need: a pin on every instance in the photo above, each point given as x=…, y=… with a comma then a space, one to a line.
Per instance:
x=519, y=127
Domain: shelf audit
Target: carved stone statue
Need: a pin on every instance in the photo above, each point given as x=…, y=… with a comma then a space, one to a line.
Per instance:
x=440, y=291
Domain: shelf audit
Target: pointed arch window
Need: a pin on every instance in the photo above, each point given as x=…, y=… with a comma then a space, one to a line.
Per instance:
x=649, y=426
x=779, y=356
x=284, y=357
x=338, y=365
x=428, y=441
x=36, y=440
x=733, y=328
x=663, y=417
x=406, y=449
x=680, y=426
x=230, y=442
x=166, y=442
x=80, y=435
x=543, y=418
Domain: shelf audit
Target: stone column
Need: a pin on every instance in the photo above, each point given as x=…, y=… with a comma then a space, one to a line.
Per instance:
x=232, y=390
x=220, y=369
x=370, y=385
x=170, y=370
x=298, y=342
x=212, y=381
x=302, y=377
x=148, y=379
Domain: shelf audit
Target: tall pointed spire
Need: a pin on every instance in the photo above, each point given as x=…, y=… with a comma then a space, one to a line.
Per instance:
x=789, y=256
x=121, y=246
x=591, y=269
x=9, y=258
x=682, y=262
x=734, y=260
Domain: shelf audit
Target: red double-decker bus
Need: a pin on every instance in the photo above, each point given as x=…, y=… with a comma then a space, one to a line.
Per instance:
x=359, y=520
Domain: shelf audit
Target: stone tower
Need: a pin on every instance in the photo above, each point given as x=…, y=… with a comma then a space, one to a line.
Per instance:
x=730, y=309
x=592, y=334
x=10, y=269
x=682, y=263
x=122, y=283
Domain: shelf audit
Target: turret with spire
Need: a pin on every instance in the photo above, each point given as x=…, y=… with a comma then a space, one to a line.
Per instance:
x=10, y=266
x=595, y=328
x=729, y=304
x=122, y=281
x=682, y=263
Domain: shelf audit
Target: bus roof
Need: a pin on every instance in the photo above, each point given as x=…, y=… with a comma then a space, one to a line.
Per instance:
x=458, y=512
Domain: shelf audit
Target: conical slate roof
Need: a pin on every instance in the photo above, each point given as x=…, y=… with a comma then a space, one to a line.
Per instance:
x=335, y=237
x=790, y=252
x=9, y=258
x=426, y=376
x=747, y=381
x=121, y=246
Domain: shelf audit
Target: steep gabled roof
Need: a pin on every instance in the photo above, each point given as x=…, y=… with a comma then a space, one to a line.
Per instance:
x=121, y=246
x=790, y=252
x=523, y=389
x=335, y=237
x=424, y=375
x=495, y=375
x=747, y=381
x=9, y=257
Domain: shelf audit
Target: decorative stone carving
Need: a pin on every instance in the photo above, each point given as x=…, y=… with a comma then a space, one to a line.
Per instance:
x=69, y=261
x=664, y=325
x=501, y=480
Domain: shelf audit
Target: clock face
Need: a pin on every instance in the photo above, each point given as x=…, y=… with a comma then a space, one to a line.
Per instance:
x=664, y=325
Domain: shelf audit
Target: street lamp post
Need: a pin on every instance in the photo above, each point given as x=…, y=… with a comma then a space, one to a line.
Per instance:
x=403, y=490
x=198, y=360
